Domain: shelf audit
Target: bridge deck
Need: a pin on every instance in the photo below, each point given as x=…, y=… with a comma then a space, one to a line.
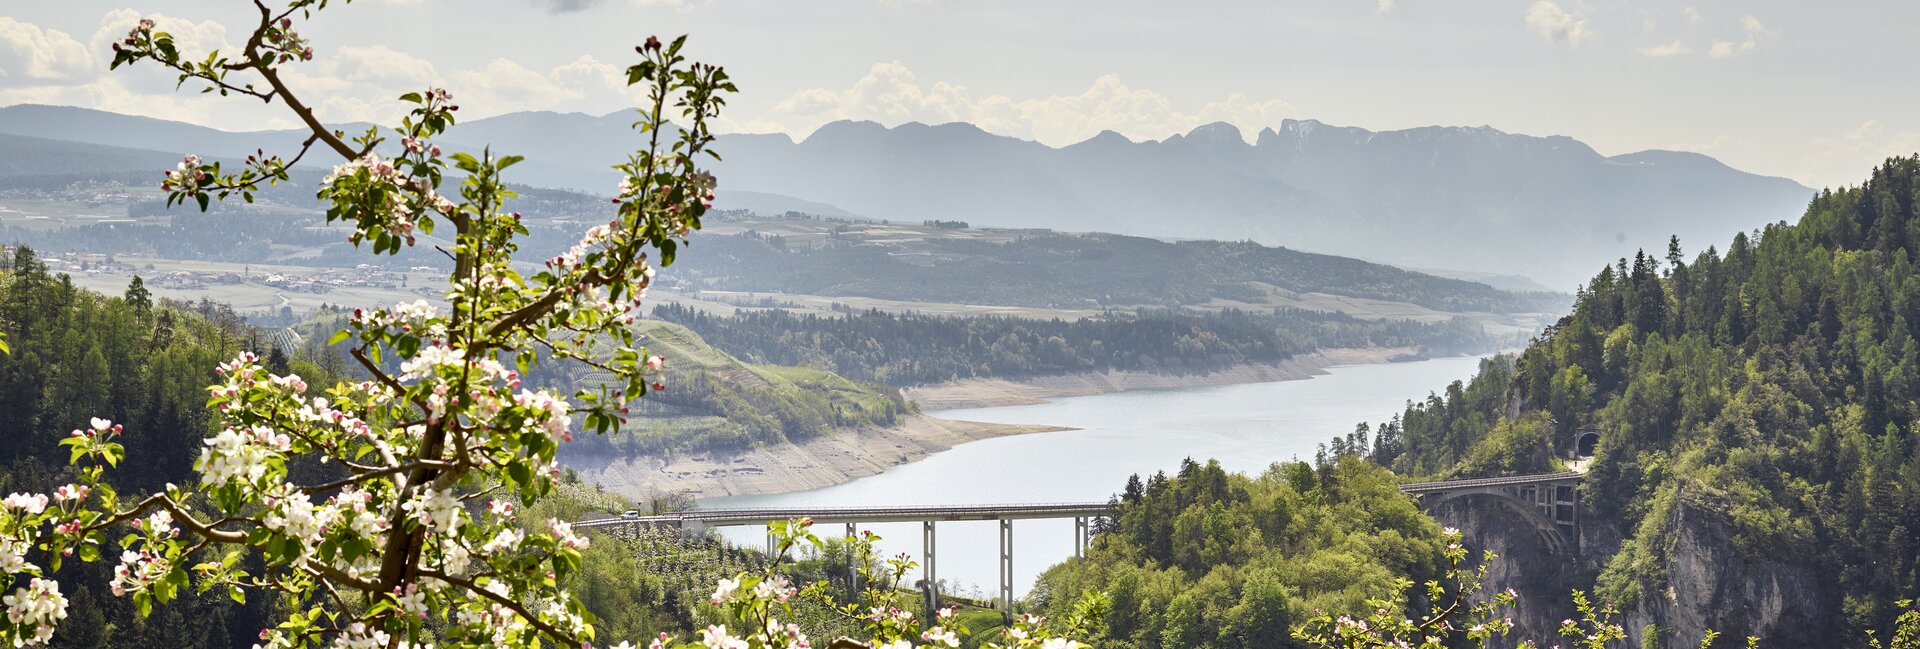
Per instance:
x=759, y=516
x=1506, y=481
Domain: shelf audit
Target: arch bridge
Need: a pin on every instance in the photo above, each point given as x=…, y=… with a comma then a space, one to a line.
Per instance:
x=1549, y=501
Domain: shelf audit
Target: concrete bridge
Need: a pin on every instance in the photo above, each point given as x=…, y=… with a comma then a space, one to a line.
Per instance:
x=1549, y=501
x=698, y=521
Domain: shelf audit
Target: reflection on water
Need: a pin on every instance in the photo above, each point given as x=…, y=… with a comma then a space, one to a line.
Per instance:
x=1246, y=427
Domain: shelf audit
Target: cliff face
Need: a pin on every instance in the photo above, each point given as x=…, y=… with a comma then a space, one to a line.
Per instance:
x=1524, y=563
x=1709, y=584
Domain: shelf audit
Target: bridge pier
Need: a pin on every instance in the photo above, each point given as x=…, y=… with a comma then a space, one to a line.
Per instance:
x=853, y=567
x=928, y=581
x=1006, y=570
x=698, y=522
x=1079, y=537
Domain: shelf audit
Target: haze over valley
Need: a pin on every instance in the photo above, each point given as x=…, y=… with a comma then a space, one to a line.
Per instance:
x=1555, y=208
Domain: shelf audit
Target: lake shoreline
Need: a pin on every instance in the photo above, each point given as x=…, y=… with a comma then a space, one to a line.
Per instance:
x=995, y=393
x=835, y=458
x=847, y=455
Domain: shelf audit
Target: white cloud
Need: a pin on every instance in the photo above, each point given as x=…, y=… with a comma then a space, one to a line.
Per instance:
x=1675, y=48
x=1719, y=144
x=383, y=66
x=504, y=86
x=343, y=84
x=1846, y=160
x=193, y=39
x=506, y=83
x=360, y=84
x=189, y=36
x=682, y=6
x=1693, y=16
x=31, y=55
x=1755, y=33
x=50, y=67
x=1555, y=24
x=1384, y=7
x=891, y=94
x=564, y=6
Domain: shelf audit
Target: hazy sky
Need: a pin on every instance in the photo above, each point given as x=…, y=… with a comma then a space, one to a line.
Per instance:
x=1815, y=91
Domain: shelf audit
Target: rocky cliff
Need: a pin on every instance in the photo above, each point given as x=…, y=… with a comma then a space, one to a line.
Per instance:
x=1709, y=583
x=1705, y=582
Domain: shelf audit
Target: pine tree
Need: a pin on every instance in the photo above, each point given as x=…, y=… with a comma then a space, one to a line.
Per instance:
x=138, y=296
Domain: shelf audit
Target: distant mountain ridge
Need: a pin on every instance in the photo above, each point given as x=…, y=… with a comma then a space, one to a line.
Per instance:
x=1475, y=199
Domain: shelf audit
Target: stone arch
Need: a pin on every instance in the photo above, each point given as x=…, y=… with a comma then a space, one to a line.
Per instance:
x=1550, y=534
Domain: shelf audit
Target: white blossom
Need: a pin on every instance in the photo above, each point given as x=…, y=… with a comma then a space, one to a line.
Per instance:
x=39, y=606
x=32, y=504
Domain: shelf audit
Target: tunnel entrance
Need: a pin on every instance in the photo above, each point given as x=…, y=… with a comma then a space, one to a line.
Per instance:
x=1588, y=440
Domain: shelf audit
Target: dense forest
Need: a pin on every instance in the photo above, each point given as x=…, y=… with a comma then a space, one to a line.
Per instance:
x=911, y=349
x=1209, y=560
x=78, y=355
x=146, y=364
x=1052, y=269
x=1774, y=385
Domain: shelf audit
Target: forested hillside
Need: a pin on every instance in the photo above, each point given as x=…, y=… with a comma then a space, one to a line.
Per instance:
x=1770, y=390
x=911, y=349
x=1053, y=269
x=78, y=355
x=1207, y=559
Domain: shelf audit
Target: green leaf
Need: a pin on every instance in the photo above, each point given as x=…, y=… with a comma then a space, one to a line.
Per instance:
x=338, y=337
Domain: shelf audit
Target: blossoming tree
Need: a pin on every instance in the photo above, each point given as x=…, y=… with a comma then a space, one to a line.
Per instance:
x=413, y=537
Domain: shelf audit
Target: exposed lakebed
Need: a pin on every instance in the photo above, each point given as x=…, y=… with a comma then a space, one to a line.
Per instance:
x=1246, y=427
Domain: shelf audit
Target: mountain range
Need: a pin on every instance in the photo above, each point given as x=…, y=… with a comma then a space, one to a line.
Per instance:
x=1475, y=199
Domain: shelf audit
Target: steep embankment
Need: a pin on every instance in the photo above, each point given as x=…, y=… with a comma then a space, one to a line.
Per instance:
x=727, y=427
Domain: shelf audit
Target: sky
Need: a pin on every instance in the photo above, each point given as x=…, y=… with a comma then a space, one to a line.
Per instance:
x=1814, y=91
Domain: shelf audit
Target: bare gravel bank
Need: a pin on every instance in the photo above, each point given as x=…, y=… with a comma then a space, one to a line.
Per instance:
x=820, y=462
x=852, y=454
x=990, y=393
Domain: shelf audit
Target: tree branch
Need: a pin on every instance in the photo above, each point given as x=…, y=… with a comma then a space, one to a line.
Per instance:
x=510, y=603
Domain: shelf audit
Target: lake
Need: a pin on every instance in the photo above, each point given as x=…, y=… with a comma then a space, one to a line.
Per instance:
x=1246, y=427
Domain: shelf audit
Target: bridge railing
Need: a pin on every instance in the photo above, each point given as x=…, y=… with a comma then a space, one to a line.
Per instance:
x=880, y=514
x=1504, y=481
x=927, y=516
